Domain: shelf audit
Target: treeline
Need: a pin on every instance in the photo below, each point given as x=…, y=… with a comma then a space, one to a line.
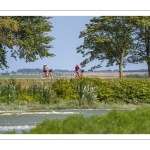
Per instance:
x=28, y=70
x=37, y=70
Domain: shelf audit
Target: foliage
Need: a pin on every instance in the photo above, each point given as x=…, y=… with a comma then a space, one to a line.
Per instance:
x=141, y=53
x=133, y=91
x=25, y=97
x=115, y=122
x=9, y=90
x=107, y=38
x=7, y=39
x=86, y=91
x=40, y=91
x=105, y=92
x=26, y=36
x=118, y=40
x=64, y=89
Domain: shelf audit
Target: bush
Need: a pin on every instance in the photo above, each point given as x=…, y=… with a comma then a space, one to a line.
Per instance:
x=64, y=89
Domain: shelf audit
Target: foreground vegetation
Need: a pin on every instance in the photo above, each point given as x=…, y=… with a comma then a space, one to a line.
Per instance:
x=116, y=122
x=85, y=92
x=128, y=98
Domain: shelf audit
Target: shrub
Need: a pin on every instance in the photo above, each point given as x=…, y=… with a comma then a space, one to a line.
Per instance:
x=86, y=89
x=25, y=97
x=64, y=89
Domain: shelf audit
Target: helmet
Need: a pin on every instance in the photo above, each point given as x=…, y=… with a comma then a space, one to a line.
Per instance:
x=44, y=64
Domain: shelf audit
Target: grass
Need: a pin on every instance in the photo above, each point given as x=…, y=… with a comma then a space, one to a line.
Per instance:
x=35, y=106
x=116, y=122
x=29, y=76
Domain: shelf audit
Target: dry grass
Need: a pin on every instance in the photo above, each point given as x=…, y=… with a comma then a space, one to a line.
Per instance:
x=25, y=83
x=111, y=74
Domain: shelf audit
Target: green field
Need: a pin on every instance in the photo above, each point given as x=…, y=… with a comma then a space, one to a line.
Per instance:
x=20, y=76
x=27, y=76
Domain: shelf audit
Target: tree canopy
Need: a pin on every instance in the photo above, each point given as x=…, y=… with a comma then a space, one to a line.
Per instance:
x=7, y=38
x=107, y=38
x=141, y=52
x=26, y=37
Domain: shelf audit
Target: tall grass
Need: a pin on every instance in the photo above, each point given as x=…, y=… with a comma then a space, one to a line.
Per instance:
x=39, y=91
x=80, y=93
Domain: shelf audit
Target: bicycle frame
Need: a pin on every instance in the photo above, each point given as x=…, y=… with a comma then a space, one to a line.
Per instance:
x=78, y=75
x=46, y=75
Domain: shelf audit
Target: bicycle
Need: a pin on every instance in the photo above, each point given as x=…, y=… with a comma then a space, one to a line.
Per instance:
x=80, y=74
x=47, y=74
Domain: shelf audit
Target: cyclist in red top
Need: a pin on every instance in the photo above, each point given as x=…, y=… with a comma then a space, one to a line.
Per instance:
x=77, y=69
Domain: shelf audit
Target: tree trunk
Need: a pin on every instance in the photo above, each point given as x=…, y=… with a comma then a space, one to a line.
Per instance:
x=120, y=71
x=148, y=64
x=120, y=66
x=148, y=55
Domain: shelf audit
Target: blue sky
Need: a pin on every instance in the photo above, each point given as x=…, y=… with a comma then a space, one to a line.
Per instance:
x=66, y=31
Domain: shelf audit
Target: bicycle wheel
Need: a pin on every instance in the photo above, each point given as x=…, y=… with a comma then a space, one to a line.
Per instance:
x=43, y=75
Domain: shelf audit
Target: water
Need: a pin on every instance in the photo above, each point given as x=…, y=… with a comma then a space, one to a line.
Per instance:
x=20, y=121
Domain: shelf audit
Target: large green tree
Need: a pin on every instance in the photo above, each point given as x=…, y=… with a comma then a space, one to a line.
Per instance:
x=141, y=51
x=107, y=38
x=32, y=39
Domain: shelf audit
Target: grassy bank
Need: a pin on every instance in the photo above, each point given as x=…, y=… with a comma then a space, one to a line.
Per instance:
x=135, y=121
x=24, y=106
x=116, y=122
x=82, y=93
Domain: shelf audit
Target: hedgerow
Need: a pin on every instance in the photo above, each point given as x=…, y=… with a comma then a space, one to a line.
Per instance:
x=85, y=90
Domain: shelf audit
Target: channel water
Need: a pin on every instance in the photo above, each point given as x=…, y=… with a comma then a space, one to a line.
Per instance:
x=19, y=121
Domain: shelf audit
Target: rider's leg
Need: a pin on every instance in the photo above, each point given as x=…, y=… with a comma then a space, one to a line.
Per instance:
x=47, y=74
x=44, y=74
x=77, y=74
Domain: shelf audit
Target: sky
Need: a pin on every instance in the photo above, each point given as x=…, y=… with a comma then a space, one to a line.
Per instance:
x=66, y=30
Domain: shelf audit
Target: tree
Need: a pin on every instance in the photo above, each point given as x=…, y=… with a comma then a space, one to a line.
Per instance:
x=107, y=38
x=32, y=39
x=141, y=51
x=7, y=28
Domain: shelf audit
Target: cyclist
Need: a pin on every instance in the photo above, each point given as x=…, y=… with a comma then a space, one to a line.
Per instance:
x=45, y=69
x=77, y=69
